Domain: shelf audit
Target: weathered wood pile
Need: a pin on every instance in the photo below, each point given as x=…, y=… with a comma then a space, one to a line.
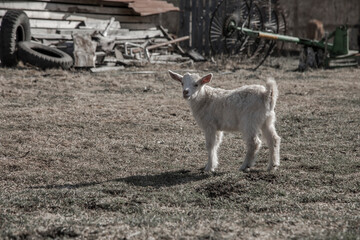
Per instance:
x=103, y=33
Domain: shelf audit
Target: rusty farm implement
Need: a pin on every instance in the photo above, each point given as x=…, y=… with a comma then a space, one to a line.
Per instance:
x=252, y=28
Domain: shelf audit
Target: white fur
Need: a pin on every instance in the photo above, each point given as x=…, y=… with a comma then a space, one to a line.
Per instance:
x=248, y=109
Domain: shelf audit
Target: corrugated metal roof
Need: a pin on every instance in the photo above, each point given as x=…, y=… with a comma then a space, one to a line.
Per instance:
x=140, y=7
x=154, y=7
x=146, y=7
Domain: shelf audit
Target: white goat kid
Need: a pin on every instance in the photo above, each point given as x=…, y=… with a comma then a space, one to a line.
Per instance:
x=248, y=109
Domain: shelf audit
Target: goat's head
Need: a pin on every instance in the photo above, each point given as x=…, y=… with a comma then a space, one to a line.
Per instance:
x=191, y=83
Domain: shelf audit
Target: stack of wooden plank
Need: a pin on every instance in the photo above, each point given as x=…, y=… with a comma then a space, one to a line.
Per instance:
x=55, y=15
x=111, y=25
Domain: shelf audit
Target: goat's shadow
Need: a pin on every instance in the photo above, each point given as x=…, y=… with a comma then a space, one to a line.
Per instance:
x=165, y=179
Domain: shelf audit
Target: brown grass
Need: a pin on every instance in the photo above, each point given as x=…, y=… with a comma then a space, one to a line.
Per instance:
x=118, y=155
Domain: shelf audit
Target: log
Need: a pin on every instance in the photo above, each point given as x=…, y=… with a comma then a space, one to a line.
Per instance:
x=84, y=50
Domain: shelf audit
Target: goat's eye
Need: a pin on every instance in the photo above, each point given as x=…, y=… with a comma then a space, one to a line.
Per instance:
x=196, y=85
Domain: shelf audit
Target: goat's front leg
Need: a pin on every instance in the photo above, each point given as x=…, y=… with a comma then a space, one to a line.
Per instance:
x=213, y=140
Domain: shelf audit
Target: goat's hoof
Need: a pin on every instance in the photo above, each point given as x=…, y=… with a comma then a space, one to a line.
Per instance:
x=246, y=170
x=209, y=169
x=272, y=168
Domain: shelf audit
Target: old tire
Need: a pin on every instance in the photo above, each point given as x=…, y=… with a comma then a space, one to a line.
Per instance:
x=43, y=56
x=15, y=27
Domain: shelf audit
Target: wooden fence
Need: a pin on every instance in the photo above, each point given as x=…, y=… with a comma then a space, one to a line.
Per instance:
x=195, y=19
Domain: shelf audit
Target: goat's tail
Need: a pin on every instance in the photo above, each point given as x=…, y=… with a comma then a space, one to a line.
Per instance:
x=272, y=92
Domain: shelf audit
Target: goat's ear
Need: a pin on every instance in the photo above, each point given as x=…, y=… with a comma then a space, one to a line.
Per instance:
x=175, y=76
x=206, y=78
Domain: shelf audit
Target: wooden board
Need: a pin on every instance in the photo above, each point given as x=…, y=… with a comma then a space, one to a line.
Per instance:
x=68, y=8
x=51, y=36
x=47, y=15
x=170, y=58
x=34, y=23
x=100, y=24
x=122, y=3
x=137, y=40
x=138, y=26
x=111, y=32
x=120, y=35
x=140, y=7
x=139, y=35
x=70, y=31
x=107, y=69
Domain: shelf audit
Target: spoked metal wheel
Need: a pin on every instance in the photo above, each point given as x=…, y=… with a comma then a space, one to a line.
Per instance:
x=257, y=15
x=271, y=25
x=256, y=22
x=223, y=39
x=282, y=24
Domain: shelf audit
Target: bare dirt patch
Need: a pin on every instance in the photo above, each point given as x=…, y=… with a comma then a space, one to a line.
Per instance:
x=118, y=155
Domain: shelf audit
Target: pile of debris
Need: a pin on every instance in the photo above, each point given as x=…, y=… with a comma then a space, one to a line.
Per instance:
x=105, y=49
x=93, y=39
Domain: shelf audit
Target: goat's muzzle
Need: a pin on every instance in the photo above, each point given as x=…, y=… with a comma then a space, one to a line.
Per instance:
x=186, y=94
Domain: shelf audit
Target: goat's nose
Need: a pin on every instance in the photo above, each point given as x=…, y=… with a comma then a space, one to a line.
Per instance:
x=185, y=92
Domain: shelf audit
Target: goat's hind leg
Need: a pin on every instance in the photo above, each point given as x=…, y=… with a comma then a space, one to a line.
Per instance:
x=213, y=140
x=253, y=145
x=273, y=140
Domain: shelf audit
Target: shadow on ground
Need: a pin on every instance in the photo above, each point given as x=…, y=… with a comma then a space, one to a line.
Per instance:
x=165, y=179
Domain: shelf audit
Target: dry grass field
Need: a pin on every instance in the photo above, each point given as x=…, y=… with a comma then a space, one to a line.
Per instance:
x=118, y=155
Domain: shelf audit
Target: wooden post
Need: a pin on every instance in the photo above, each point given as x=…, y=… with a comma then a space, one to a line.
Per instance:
x=200, y=28
x=207, y=26
x=181, y=28
x=296, y=18
x=214, y=4
x=186, y=31
x=194, y=30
